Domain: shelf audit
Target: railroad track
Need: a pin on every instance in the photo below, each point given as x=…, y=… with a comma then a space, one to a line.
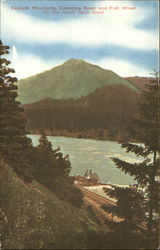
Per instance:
x=98, y=200
x=96, y=197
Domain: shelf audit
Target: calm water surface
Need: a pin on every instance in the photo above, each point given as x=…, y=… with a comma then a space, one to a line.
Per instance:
x=94, y=154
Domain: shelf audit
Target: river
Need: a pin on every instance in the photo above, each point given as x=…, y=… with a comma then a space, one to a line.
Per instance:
x=94, y=154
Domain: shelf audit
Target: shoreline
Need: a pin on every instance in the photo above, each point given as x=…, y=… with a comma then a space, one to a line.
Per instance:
x=82, y=135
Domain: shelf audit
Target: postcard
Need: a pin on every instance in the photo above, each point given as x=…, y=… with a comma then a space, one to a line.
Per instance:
x=79, y=131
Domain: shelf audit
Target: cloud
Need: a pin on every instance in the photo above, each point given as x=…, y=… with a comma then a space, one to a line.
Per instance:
x=114, y=28
x=14, y=54
x=27, y=65
x=122, y=67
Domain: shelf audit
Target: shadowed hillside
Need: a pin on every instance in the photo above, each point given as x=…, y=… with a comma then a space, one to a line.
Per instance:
x=107, y=111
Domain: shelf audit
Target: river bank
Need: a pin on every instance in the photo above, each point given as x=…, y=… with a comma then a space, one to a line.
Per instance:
x=96, y=134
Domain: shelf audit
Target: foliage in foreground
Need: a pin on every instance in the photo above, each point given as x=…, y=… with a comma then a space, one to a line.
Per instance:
x=14, y=145
x=146, y=173
x=35, y=218
x=47, y=166
x=52, y=170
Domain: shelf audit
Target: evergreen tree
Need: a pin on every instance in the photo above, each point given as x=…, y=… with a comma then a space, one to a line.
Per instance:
x=146, y=172
x=44, y=144
x=52, y=170
x=61, y=165
x=130, y=208
x=14, y=145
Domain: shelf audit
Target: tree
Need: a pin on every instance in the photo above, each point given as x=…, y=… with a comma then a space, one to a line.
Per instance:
x=130, y=208
x=52, y=170
x=44, y=144
x=146, y=172
x=15, y=146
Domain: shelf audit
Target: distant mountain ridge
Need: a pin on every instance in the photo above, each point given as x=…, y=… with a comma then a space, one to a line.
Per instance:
x=139, y=82
x=73, y=79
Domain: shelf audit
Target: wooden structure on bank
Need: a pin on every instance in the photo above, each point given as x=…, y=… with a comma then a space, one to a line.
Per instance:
x=89, y=178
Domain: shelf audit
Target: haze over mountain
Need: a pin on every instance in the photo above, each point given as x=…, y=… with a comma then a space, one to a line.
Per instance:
x=73, y=79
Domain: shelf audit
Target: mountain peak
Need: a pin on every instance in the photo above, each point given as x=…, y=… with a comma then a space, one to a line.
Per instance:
x=74, y=61
x=73, y=79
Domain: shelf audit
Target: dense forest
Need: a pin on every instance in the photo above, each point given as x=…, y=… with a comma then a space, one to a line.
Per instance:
x=106, y=113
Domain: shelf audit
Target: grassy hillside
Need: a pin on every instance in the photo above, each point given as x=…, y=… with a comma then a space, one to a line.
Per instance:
x=34, y=218
x=73, y=79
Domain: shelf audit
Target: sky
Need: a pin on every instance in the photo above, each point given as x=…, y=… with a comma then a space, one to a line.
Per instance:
x=43, y=34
